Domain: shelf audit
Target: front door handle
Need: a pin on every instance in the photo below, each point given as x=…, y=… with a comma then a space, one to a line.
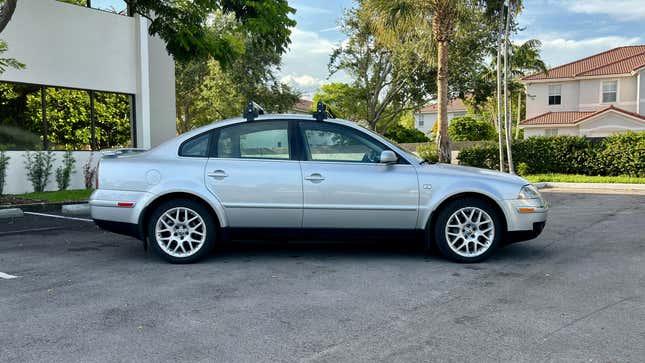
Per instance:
x=218, y=174
x=315, y=177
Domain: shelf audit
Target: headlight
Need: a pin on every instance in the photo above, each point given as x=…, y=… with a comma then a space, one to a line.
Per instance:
x=529, y=192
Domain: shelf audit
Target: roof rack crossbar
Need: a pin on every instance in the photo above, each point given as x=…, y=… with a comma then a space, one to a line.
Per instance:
x=252, y=111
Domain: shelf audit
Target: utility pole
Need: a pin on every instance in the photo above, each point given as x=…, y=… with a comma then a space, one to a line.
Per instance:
x=507, y=110
x=499, y=92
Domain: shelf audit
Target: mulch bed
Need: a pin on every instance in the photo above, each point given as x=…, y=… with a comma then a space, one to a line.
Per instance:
x=12, y=200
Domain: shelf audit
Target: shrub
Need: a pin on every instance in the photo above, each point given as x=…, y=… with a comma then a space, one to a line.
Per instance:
x=64, y=172
x=428, y=152
x=399, y=133
x=523, y=169
x=89, y=172
x=4, y=164
x=467, y=128
x=39, y=168
x=616, y=155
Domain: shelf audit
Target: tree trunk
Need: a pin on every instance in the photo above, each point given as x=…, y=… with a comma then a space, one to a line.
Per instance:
x=500, y=128
x=443, y=142
x=507, y=109
x=6, y=13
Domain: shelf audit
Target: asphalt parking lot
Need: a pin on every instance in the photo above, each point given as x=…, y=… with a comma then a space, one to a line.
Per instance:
x=577, y=293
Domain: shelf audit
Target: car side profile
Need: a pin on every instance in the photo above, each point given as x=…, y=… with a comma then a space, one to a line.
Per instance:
x=295, y=176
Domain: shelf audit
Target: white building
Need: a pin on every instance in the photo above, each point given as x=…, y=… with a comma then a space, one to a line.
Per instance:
x=66, y=46
x=425, y=119
x=596, y=96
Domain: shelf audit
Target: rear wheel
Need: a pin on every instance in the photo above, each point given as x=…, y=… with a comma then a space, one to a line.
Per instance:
x=468, y=230
x=181, y=230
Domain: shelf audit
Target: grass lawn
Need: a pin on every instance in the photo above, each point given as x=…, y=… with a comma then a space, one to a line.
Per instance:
x=568, y=178
x=78, y=195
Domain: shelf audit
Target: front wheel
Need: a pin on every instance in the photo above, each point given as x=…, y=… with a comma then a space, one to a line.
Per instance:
x=181, y=230
x=468, y=230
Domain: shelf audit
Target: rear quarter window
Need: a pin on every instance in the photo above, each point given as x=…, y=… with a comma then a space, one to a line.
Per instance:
x=196, y=147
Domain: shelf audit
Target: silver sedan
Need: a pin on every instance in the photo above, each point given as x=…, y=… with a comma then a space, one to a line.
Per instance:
x=293, y=177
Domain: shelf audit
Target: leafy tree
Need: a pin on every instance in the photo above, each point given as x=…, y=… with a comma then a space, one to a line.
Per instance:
x=387, y=81
x=402, y=134
x=467, y=128
x=185, y=26
x=453, y=36
x=345, y=101
x=39, y=168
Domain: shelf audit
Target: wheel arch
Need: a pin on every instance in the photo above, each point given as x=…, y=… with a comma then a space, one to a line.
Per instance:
x=431, y=220
x=216, y=212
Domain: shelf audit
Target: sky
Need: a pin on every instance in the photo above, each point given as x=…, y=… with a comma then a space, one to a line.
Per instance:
x=568, y=30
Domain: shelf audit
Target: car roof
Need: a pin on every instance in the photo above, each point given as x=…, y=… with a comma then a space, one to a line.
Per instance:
x=175, y=142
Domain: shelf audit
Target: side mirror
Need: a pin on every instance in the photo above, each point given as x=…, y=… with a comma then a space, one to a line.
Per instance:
x=388, y=157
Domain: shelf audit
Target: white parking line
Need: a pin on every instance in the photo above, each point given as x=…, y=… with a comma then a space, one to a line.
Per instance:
x=57, y=216
x=7, y=276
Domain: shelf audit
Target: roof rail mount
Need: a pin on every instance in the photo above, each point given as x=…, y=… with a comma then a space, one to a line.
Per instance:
x=252, y=111
x=323, y=112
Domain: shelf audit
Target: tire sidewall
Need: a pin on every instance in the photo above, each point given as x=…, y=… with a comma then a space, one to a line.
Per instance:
x=211, y=229
x=442, y=221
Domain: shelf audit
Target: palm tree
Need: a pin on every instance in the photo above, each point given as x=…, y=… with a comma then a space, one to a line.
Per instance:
x=396, y=17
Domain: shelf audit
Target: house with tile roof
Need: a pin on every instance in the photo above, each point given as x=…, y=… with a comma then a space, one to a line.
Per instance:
x=426, y=117
x=596, y=96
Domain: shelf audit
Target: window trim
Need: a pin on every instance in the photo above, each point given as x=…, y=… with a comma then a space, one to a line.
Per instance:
x=548, y=94
x=602, y=91
x=293, y=155
x=306, y=153
x=208, y=150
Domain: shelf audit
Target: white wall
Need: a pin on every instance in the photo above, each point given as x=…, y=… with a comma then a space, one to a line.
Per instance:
x=72, y=46
x=640, y=92
x=429, y=119
x=17, y=183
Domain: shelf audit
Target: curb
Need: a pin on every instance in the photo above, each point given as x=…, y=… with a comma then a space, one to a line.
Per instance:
x=614, y=187
x=11, y=213
x=41, y=206
x=76, y=209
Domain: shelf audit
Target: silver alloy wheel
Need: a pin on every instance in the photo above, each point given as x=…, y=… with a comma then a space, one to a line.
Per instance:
x=180, y=232
x=470, y=232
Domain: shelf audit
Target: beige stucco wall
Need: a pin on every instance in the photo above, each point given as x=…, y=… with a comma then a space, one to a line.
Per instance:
x=429, y=119
x=609, y=124
x=539, y=104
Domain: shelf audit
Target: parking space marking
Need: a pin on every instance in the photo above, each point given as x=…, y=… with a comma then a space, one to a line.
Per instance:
x=57, y=216
x=7, y=276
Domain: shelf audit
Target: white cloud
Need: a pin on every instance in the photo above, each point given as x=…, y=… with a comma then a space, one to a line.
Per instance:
x=559, y=50
x=301, y=81
x=304, y=66
x=618, y=9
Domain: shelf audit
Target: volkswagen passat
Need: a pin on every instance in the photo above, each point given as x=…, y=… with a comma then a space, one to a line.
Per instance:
x=300, y=177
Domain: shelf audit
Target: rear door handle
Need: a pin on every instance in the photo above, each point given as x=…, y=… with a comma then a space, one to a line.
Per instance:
x=315, y=177
x=218, y=174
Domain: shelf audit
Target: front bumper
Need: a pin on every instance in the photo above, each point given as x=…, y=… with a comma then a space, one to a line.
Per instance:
x=519, y=236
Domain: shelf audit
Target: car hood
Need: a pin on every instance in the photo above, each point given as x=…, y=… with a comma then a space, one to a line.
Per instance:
x=471, y=172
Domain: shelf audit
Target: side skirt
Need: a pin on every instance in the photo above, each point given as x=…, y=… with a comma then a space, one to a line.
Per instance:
x=320, y=234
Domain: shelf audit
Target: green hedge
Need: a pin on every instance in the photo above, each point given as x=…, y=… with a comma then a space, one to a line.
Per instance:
x=615, y=155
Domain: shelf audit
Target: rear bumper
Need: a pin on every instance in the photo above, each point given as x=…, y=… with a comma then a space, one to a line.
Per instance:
x=127, y=229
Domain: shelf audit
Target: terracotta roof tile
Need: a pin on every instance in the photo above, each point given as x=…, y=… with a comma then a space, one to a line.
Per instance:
x=619, y=60
x=455, y=105
x=303, y=105
x=572, y=117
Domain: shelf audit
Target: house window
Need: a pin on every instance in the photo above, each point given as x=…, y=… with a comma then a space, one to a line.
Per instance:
x=555, y=96
x=551, y=132
x=609, y=89
x=421, y=121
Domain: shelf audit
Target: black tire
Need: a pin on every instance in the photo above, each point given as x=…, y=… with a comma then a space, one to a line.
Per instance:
x=439, y=230
x=198, y=208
